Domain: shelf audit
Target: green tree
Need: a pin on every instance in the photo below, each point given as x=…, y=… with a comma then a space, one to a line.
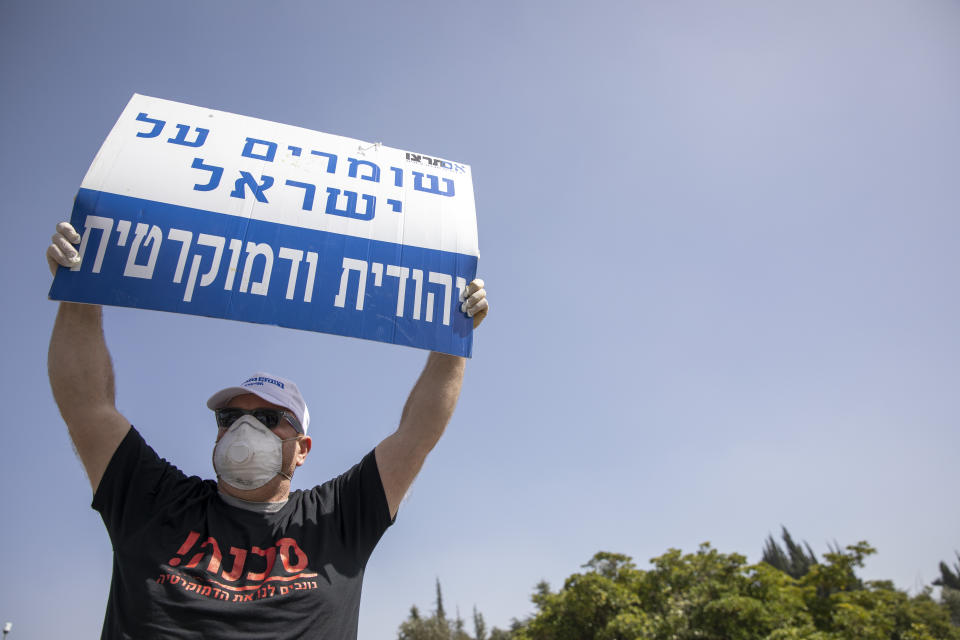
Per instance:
x=440, y=613
x=950, y=598
x=479, y=626
x=948, y=578
x=436, y=627
x=439, y=627
x=792, y=559
x=708, y=595
x=949, y=583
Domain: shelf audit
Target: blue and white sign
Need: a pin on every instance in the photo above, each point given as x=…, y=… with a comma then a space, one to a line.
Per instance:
x=210, y=213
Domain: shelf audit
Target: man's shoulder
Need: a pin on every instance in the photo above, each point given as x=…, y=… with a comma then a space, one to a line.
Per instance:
x=327, y=495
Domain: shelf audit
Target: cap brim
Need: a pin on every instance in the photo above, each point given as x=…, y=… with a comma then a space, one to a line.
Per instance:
x=222, y=397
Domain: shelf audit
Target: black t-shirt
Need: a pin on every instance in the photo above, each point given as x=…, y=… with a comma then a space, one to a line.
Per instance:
x=188, y=565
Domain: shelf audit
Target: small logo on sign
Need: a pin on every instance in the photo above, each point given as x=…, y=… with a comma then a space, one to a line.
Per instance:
x=435, y=162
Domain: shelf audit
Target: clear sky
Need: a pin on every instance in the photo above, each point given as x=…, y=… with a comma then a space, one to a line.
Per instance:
x=720, y=242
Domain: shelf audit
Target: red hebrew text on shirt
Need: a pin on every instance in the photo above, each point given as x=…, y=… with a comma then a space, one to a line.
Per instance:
x=240, y=575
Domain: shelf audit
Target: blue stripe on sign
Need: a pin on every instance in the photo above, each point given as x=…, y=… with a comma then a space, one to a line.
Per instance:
x=204, y=263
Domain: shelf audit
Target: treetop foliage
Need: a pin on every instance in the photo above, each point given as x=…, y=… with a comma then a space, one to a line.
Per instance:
x=708, y=595
x=949, y=581
x=712, y=595
x=948, y=578
x=439, y=627
x=792, y=559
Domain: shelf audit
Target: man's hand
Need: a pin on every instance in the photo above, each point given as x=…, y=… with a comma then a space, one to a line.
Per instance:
x=61, y=251
x=474, y=302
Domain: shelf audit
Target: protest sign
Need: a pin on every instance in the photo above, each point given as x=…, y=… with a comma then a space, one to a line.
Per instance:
x=209, y=213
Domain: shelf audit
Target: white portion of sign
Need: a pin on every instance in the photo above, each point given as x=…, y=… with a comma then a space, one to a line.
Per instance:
x=237, y=165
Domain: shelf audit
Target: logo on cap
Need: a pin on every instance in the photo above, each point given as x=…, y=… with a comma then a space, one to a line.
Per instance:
x=257, y=381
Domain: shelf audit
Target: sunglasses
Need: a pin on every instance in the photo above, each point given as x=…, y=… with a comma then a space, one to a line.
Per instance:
x=269, y=417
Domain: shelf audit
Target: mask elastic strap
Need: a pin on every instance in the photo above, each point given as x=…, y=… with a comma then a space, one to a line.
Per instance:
x=296, y=437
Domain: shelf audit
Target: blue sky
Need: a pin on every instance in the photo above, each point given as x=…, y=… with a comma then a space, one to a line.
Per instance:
x=720, y=241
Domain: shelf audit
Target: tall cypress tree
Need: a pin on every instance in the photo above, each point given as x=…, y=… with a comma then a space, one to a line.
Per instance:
x=948, y=578
x=794, y=560
x=441, y=614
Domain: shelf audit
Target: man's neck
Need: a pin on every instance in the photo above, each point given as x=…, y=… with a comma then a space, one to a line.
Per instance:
x=254, y=507
x=277, y=490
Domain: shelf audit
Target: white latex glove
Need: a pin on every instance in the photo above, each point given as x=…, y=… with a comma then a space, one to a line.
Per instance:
x=61, y=251
x=474, y=302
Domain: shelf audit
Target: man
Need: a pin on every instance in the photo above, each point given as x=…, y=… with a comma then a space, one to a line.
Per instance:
x=242, y=556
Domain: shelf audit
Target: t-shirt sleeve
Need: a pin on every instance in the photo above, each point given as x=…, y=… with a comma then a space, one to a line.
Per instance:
x=362, y=502
x=136, y=482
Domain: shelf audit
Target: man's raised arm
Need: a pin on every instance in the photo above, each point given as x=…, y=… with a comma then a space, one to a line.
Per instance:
x=81, y=374
x=427, y=411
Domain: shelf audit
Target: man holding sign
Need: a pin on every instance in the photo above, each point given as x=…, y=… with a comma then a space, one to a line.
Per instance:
x=242, y=556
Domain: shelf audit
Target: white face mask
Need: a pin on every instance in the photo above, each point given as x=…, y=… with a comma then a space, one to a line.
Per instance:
x=249, y=454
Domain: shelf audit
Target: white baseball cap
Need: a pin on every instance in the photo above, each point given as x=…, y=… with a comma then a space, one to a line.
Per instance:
x=271, y=388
